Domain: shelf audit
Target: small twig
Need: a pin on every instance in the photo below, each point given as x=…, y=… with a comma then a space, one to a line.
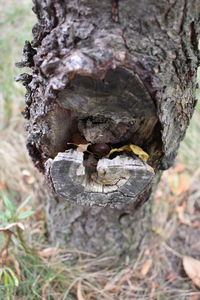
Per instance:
x=173, y=251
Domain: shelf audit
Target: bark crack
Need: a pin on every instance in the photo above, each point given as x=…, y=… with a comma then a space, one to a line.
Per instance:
x=115, y=10
x=183, y=17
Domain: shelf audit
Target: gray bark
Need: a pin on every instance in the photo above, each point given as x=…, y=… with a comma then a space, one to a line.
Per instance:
x=108, y=73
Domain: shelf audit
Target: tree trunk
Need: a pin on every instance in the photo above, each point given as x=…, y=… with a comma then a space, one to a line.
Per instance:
x=110, y=97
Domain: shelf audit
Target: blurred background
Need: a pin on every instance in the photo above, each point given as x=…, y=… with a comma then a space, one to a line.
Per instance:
x=175, y=227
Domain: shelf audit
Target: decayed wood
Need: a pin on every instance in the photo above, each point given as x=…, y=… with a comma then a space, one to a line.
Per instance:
x=114, y=73
x=113, y=182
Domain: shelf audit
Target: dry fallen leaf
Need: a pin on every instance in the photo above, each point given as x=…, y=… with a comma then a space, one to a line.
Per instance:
x=192, y=269
x=170, y=276
x=181, y=214
x=196, y=224
x=48, y=252
x=131, y=148
x=80, y=147
x=16, y=224
x=28, y=177
x=14, y=261
x=45, y=290
x=2, y=186
x=152, y=291
x=179, y=168
x=146, y=267
x=79, y=292
x=178, y=183
x=194, y=297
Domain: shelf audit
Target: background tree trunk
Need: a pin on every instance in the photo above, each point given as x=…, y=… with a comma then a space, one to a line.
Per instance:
x=106, y=74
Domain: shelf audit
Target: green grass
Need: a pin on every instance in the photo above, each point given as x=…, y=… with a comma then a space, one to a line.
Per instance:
x=36, y=276
x=16, y=23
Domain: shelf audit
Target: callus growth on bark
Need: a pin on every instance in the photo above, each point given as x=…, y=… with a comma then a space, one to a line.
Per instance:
x=112, y=73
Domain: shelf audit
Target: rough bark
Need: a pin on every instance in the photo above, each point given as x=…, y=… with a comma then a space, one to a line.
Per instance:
x=108, y=73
